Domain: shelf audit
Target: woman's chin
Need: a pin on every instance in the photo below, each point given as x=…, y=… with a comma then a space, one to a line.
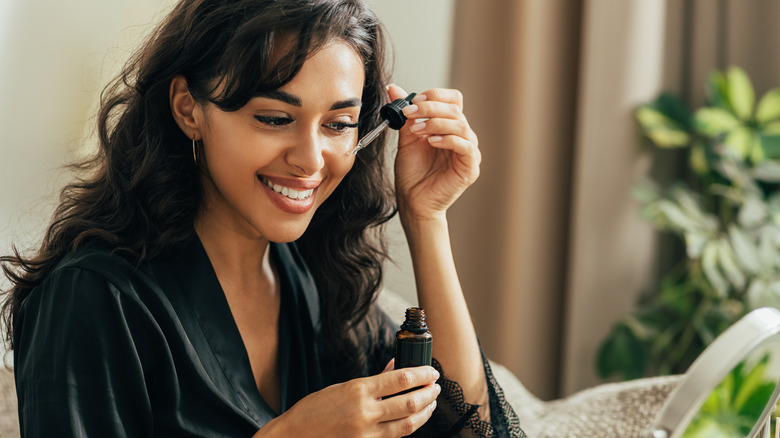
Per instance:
x=285, y=234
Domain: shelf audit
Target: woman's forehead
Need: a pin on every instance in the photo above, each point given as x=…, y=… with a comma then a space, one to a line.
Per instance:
x=334, y=74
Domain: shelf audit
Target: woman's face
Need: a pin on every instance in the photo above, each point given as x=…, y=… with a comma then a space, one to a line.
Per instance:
x=272, y=163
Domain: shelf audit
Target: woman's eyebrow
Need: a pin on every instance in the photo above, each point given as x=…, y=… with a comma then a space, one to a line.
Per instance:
x=282, y=96
x=294, y=100
x=347, y=103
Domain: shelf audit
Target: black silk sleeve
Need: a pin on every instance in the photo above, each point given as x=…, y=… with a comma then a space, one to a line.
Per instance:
x=454, y=416
x=79, y=349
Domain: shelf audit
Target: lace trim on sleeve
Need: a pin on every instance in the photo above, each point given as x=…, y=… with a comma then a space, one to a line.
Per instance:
x=454, y=417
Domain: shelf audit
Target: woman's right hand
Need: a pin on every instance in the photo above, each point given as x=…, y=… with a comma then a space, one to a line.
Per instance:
x=358, y=408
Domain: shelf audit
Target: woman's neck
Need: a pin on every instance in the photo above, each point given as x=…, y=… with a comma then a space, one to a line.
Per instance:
x=241, y=261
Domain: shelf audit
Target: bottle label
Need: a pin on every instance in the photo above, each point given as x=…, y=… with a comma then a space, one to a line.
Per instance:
x=413, y=353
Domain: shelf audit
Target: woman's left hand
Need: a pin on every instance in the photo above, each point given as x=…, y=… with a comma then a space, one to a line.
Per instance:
x=437, y=159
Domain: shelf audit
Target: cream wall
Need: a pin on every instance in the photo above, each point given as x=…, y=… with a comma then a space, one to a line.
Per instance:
x=421, y=35
x=58, y=55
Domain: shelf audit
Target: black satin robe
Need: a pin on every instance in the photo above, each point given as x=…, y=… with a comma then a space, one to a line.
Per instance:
x=104, y=348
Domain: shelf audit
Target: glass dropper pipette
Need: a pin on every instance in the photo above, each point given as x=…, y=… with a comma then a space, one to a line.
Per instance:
x=392, y=116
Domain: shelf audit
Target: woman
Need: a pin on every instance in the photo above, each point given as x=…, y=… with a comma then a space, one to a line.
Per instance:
x=214, y=274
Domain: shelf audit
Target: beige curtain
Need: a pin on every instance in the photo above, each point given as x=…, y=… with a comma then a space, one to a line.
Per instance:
x=509, y=229
x=549, y=244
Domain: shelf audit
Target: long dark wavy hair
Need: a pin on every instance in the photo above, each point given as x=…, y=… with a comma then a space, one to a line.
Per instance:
x=140, y=192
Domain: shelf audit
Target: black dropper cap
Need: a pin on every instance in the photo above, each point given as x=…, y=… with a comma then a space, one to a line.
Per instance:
x=392, y=111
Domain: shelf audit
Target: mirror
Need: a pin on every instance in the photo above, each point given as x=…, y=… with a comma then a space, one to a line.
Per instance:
x=736, y=405
x=731, y=390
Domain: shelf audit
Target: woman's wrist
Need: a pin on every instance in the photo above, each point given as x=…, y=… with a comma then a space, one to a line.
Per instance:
x=412, y=220
x=416, y=226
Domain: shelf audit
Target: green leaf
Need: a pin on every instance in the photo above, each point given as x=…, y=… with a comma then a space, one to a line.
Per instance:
x=691, y=207
x=768, y=107
x=740, y=140
x=709, y=427
x=712, y=404
x=741, y=93
x=762, y=293
x=768, y=171
x=649, y=117
x=750, y=377
x=709, y=263
x=662, y=130
x=713, y=121
x=621, y=353
x=774, y=209
x=698, y=159
x=727, y=389
x=767, y=249
x=694, y=244
x=757, y=400
x=756, y=292
x=676, y=217
x=751, y=384
x=728, y=263
x=674, y=108
x=771, y=129
x=673, y=297
x=757, y=154
x=771, y=145
x=668, y=138
x=719, y=91
x=753, y=212
x=744, y=249
x=729, y=166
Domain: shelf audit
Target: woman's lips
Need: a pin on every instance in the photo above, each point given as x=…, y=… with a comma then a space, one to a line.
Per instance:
x=290, y=195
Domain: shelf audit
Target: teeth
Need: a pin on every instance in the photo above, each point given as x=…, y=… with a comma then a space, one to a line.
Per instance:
x=286, y=191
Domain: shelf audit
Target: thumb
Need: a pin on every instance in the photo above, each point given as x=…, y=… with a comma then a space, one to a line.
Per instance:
x=396, y=92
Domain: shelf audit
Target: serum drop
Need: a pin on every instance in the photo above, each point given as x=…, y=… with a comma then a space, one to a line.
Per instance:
x=413, y=343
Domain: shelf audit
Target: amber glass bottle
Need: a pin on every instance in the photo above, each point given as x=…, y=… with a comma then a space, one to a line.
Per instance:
x=413, y=343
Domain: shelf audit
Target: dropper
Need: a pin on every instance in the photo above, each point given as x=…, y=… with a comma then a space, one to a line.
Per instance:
x=392, y=116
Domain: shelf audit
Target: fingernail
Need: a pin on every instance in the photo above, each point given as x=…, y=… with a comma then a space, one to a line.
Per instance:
x=419, y=98
x=417, y=127
x=387, y=87
x=433, y=405
x=409, y=110
x=438, y=389
x=434, y=139
x=436, y=374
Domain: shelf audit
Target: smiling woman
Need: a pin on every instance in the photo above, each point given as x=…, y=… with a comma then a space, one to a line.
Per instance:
x=213, y=271
x=296, y=139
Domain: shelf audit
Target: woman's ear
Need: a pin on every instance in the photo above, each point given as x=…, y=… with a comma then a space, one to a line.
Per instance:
x=186, y=111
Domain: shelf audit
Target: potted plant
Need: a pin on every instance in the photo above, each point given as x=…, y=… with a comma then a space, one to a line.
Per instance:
x=727, y=214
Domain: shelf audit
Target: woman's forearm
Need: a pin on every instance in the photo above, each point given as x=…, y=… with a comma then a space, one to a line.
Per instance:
x=438, y=289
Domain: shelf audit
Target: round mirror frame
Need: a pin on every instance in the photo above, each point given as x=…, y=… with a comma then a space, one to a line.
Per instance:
x=729, y=349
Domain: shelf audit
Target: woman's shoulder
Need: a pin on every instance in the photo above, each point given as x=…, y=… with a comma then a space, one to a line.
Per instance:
x=93, y=255
x=92, y=268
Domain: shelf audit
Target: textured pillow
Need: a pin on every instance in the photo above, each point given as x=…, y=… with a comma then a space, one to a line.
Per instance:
x=620, y=410
x=9, y=417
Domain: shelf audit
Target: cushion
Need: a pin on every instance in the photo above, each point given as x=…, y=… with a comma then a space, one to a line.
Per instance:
x=622, y=409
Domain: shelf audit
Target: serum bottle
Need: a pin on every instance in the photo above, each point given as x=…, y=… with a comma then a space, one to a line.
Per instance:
x=413, y=343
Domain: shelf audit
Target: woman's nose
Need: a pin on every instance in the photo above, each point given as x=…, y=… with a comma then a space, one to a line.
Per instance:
x=306, y=154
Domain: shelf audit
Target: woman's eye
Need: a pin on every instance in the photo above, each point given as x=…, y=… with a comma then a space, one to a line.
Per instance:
x=341, y=126
x=274, y=121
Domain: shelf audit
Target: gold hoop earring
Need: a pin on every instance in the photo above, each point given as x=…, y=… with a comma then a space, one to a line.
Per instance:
x=194, y=150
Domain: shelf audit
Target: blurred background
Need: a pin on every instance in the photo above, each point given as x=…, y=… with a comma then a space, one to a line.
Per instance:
x=550, y=245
